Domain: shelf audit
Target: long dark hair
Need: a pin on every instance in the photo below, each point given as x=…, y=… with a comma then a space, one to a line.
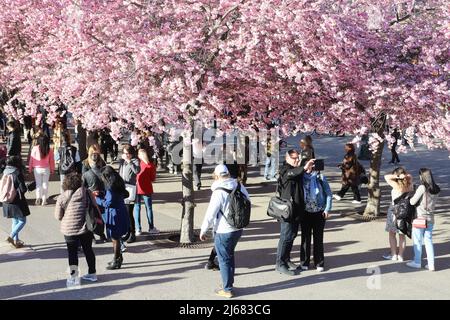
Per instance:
x=112, y=180
x=44, y=145
x=426, y=177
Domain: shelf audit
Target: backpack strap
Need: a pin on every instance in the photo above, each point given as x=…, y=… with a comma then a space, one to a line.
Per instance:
x=68, y=200
x=226, y=190
x=229, y=192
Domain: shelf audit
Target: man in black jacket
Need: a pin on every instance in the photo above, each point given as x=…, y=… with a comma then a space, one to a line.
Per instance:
x=14, y=144
x=291, y=187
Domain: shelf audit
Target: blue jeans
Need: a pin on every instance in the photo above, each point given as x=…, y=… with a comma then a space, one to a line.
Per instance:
x=148, y=209
x=17, y=226
x=288, y=233
x=225, y=244
x=419, y=235
x=269, y=169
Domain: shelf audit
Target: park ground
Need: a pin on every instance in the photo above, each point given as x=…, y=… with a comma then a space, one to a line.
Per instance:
x=155, y=268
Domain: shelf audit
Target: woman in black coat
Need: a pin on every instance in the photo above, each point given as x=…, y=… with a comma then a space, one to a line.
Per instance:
x=18, y=209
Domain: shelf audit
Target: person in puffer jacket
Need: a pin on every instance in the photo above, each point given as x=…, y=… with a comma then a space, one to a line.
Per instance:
x=71, y=208
x=226, y=236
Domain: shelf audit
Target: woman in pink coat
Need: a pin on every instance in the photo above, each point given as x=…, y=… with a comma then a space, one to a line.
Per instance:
x=42, y=164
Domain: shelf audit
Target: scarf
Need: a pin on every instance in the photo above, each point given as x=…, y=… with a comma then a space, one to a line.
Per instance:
x=310, y=179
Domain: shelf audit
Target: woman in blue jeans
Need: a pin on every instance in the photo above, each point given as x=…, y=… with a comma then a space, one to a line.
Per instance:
x=226, y=236
x=17, y=210
x=144, y=190
x=425, y=196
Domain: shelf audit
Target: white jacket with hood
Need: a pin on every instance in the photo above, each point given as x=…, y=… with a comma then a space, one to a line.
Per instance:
x=219, y=202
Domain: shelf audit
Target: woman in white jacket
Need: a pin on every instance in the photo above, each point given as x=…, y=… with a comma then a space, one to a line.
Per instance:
x=226, y=236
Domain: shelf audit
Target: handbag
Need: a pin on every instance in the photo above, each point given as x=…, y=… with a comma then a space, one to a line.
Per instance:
x=420, y=223
x=279, y=208
x=132, y=193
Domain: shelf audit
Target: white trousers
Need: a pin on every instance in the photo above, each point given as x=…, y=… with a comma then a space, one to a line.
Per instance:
x=41, y=176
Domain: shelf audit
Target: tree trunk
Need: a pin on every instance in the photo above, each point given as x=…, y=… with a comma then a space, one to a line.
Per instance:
x=373, y=188
x=82, y=148
x=187, y=219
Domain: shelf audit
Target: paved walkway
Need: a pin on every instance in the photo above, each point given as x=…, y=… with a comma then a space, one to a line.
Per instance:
x=155, y=269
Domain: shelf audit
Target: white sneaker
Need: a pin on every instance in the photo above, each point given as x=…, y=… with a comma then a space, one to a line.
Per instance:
x=320, y=269
x=399, y=258
x=90, y=277
x=153, y=231
x=73, y=282
x=138, y=233
x=356, y=202
x=336, y=197
x=412, y=264
x=430, y=268
x=389, y=257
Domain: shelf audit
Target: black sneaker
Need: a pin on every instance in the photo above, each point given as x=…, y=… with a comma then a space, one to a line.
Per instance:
x=212, y=266
x=132, y=238
x=285, y=270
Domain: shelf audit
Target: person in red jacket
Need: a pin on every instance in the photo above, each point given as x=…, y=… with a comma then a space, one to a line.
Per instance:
x=144, y=190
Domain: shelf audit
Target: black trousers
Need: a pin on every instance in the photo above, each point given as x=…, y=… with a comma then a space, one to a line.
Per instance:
x=312, y=224
x=197, y=168
x=394, y=154
x=130, y=214
x=86, y=243
x=355, y=189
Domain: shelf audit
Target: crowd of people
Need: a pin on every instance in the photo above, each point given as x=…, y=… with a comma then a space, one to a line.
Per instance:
x=114, y=197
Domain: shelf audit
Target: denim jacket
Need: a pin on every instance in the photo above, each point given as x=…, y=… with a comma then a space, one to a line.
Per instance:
x=325, y=196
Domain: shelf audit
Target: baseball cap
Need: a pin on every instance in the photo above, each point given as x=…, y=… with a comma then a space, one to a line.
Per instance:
x=221, y=170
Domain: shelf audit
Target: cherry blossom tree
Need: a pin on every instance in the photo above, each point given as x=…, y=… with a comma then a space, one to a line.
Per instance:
x=312, y=64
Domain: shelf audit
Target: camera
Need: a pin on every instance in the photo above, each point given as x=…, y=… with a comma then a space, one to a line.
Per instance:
x=319, y=164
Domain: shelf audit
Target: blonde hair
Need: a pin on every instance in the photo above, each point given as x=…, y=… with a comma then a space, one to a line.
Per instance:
x=94, y=148
x=404, y=185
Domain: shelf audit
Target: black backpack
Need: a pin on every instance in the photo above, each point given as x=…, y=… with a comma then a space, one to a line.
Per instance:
x=239, y=209
x=402, y=209
x=67, y=159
